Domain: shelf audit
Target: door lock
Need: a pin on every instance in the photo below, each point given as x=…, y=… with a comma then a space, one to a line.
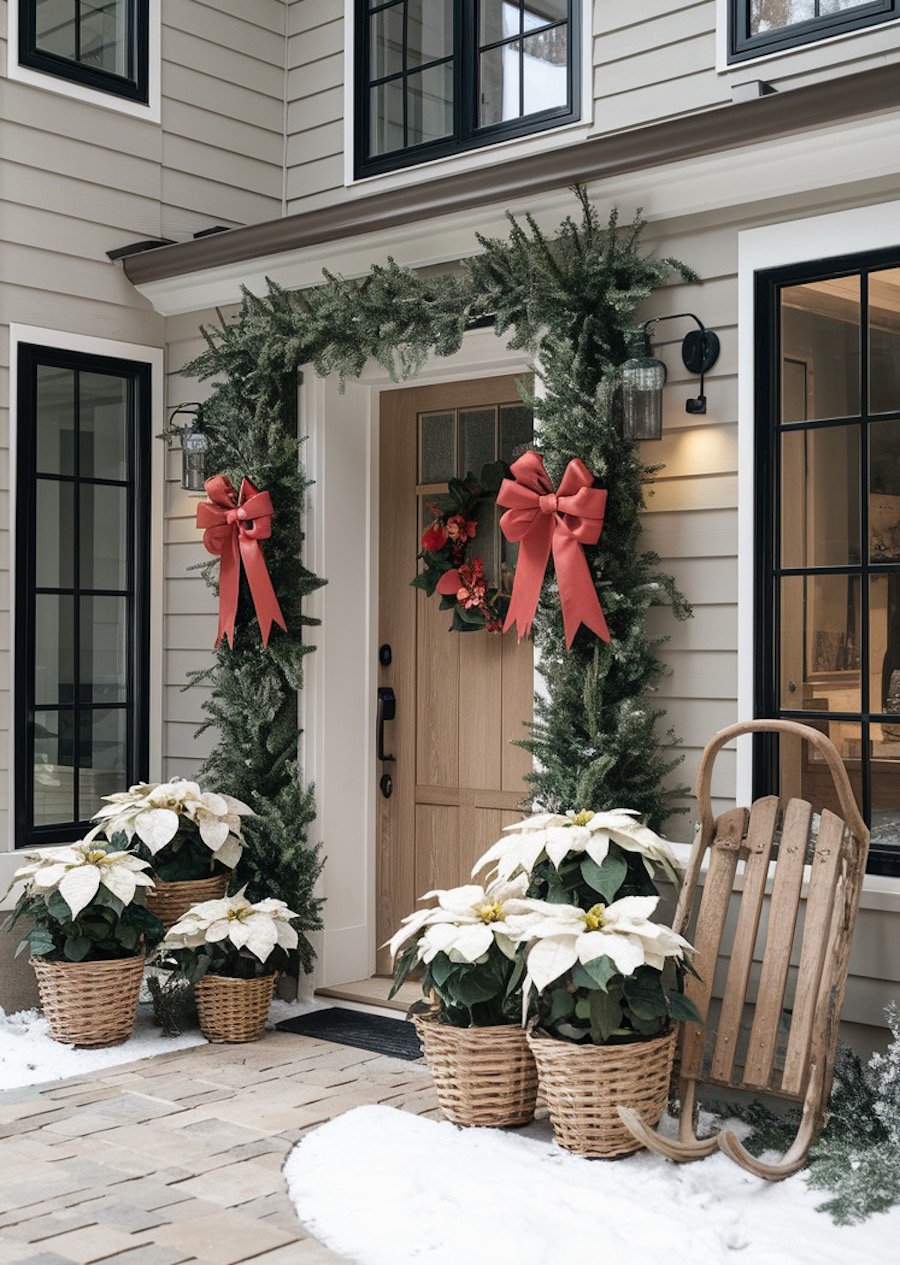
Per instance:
x=386, y=710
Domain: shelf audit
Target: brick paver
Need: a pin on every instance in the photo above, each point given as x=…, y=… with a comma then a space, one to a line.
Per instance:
x=178, y=1159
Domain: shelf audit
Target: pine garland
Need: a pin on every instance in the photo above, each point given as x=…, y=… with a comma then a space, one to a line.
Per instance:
x=570, y=300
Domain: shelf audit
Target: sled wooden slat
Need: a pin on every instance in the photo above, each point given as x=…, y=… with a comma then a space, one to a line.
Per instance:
x=822, y=924
x=760, y=834
x=779, y=941
x=820, y=904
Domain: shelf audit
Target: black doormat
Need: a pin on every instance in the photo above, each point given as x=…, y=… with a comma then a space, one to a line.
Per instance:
x=377, y=1033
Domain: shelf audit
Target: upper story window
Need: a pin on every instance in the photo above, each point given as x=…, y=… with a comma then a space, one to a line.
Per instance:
x=436, y=77
x=101, y=44
x=766, y=26
x=82, y=587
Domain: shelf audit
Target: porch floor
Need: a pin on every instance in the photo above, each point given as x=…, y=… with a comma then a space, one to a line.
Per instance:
x=373, y=992
x=178, y=1158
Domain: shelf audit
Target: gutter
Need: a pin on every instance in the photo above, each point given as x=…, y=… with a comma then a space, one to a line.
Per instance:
x=715, y=130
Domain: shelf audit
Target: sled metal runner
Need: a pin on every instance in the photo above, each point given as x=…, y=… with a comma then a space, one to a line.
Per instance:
x=812, y=870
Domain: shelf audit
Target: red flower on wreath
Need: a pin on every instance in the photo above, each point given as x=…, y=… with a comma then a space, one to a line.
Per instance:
x=435, y=537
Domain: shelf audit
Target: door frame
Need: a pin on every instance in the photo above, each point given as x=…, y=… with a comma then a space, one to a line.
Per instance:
x=338, y=702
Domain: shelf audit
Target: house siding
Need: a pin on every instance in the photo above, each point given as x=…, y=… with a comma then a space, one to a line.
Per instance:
x=79, y=179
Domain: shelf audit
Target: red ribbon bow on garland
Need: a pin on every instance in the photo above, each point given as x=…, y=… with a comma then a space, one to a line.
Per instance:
x=562, y=521
x=234, y=524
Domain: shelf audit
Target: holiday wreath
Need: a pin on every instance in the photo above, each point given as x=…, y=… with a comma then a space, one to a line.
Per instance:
x=448, y=570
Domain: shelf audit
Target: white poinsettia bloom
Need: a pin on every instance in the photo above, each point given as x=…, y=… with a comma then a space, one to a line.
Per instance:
x=558, y=936
x=235, y=922
x=466, y=921
x=555, y=837
x=79, y=870
x=156, y=812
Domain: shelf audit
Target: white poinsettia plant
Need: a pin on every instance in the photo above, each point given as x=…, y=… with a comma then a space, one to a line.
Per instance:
x=85, y=902
x=232, y=936
x=185, y=832
x=465, y=947
x=603, y=974
x=582, y=857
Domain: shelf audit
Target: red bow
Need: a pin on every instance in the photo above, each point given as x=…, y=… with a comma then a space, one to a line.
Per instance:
x=564, y=521
x=233, y=527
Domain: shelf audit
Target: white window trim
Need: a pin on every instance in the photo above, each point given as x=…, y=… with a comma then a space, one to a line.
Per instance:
x=79, y=92
x=154, y=357
x=739, y=68
x=776, y=246
x=473, y=159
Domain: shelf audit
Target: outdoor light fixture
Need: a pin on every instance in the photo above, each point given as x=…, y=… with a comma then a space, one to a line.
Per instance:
x=643, y=376
x=193, y=448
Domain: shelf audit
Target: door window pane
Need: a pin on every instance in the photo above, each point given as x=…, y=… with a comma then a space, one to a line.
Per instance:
x=820, y=648
x=103, y=757
x=103, y=533
x=884, y=492
x=102, y=426
x=479, y=439
x=54, y=649
x=820, y=326
x=820, y=497
x=54, y=535
x=438, y=447
x=516, y=431
x=104, y=657
x=55, y=438
x=52, y=779
x=884, y=341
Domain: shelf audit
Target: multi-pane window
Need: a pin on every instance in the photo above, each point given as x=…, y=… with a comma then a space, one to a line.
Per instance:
x=829, y=529
x=82, y=577
x=438, y=76
x=764, y=26
x=102, y=44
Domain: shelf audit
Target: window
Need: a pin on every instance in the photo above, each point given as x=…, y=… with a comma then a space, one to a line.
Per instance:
x=101, y=44
x=82, y=586
x=437, y=77
x=828, y=504
x=757, y=27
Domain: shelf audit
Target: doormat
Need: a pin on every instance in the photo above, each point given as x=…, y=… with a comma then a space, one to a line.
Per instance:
x=395, y=1037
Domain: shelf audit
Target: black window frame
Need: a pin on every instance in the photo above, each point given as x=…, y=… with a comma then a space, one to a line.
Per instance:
x=31, y=357
x=768, y=571
x=133, y=86
x=742, y=45
x=467, y=136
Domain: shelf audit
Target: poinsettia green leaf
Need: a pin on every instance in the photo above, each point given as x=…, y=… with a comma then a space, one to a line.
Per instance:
x=76, y=948
x=605, y=1014
x=610, y=875
x=39, y=941
x=681, y=1007
x=644, y=994
x=583, y=1007
x=562, y=1003
x=600, y=971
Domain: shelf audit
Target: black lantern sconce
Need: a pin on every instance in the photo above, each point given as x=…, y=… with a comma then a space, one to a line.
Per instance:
x=193, y=448
x=643, y=376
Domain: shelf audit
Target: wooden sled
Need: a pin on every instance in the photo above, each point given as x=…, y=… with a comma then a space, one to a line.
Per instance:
x=790, y=1051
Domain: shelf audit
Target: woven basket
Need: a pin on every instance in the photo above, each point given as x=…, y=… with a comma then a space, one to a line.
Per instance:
x=170, y=901
x=483, y=1076
x=234, y=1009
x=584, y=1084
x=90, y=1003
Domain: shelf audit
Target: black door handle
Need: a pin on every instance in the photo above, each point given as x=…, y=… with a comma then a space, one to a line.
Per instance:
x=387, y=710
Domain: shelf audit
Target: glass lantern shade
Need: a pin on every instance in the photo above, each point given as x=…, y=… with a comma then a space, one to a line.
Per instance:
x=193, y=452
x=643, y=379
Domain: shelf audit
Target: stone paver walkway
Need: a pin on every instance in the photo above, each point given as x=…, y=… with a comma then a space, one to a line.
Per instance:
x=179, y=1157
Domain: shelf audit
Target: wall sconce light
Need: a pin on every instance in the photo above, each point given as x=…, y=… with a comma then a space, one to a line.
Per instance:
x=193, y=448
x=644, y=376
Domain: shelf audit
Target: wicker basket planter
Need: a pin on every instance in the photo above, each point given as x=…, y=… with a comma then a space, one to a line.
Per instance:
x=234, y=1009
x=90, y=1003
x=483, y=1076
x=169, y=901
x=584, y=1084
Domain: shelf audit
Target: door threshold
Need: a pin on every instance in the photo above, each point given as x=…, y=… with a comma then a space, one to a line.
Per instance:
x=372, y=994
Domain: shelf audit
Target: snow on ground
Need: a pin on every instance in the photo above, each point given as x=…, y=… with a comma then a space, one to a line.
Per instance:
x=29, y=1056
x=382, y=1186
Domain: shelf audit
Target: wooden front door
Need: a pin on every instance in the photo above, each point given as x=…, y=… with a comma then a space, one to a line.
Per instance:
x=461, y=698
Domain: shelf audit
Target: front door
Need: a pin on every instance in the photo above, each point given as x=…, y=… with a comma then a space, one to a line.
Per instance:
x=461, y=698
